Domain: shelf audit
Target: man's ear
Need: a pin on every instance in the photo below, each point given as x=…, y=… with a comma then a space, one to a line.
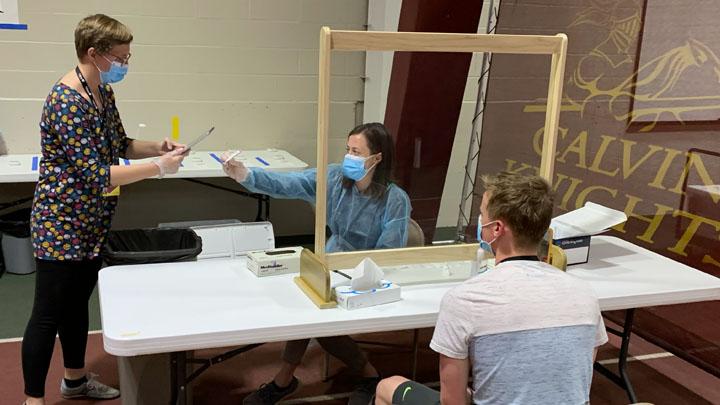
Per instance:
x=499, y=227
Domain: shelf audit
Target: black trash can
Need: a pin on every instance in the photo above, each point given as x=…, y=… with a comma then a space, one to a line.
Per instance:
x=16, y=254
x=142, y=246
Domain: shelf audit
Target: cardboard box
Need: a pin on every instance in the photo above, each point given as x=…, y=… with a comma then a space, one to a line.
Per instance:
x=576, y=249
x=350, y=299
x=275, y=261
x=573, y=230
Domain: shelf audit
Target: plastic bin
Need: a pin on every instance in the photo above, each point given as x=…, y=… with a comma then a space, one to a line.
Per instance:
x=192, y=224
x=17, y=251
x=141, y=246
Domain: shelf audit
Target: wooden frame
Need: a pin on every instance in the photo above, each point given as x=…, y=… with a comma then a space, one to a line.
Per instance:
x=425, y=42
x=314, y=280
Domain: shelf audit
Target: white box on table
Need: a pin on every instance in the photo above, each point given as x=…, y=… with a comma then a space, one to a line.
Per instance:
x=275, y=261
x=348, y=298
x=572, y=231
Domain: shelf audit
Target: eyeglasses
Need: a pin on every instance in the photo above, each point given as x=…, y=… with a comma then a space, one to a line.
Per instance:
x=122, y=60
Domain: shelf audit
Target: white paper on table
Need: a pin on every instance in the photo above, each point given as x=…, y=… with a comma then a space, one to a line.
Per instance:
x=588, y=220
x=369, y=276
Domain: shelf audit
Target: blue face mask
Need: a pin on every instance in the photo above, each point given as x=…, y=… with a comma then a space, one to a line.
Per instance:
x=116, y=73
x=484, y=245
x=353, y=167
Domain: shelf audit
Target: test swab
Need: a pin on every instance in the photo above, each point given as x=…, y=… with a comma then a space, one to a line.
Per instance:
x=237, y=152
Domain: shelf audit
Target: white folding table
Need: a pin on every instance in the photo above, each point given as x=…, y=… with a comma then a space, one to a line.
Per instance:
x=24, y=168
x=180, y=307
x=201, y=164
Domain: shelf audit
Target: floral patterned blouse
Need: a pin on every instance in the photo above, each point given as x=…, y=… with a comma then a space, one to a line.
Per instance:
x=70, y=217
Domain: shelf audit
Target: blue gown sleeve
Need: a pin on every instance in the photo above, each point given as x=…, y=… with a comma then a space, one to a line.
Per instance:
x=395, y=221
x=295, y=185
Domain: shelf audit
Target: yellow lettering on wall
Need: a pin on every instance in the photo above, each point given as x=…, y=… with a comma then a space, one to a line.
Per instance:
x=582, y=196
x=654, y=221
x=538, y=139
x=578, y=146
x=670, y=155
x=510, y=167
x=570, y=190
x=709, y=260
x=695, y=222
x=600, y=154
x=694, y=160
x=629, y=168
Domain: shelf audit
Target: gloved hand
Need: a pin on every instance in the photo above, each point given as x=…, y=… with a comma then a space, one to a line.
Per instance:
x=169, y=163
x=234, y=168
x=168, y=145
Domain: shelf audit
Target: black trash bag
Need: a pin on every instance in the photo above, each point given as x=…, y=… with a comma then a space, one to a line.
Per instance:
x=141, y=246
x=16, y=223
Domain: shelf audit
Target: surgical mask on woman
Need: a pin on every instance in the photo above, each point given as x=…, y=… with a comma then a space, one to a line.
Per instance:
x=353, y=167
x=116, y=73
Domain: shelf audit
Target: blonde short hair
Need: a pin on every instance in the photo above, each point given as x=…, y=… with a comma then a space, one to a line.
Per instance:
x=524, y=203
x=100, y=32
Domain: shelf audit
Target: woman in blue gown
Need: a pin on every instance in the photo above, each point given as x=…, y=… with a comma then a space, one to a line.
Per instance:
x=365, y=210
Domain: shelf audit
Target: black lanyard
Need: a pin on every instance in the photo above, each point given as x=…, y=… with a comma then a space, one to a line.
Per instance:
x=85, y=85
x=101, y=114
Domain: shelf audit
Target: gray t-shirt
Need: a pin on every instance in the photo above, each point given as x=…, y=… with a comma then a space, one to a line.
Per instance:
x=529, y=331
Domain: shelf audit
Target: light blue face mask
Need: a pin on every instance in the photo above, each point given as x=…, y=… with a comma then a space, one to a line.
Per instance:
x=116, y=73
x=353, y=167
x=484, y=245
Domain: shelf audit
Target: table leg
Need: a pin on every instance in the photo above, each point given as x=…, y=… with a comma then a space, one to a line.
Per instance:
x=263, y=212
x=178, y=377
x=416, y=342
x=623, y=379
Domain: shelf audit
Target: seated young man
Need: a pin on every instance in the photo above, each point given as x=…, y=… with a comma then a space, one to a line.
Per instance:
x=524, y=330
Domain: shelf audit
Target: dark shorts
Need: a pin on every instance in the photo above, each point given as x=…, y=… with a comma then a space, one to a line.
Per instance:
x=414, y=393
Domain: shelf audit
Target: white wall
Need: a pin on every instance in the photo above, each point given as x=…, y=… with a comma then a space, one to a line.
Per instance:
x=383, y=15
x=249, y=67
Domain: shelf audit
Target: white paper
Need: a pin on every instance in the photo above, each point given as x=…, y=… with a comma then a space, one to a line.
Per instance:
x=588, y=220
x=9, y=13
x=369, y=276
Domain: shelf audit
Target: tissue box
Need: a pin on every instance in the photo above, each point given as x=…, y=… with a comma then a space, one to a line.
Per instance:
x=348, y=298
x=274, y=262
x=577, y=249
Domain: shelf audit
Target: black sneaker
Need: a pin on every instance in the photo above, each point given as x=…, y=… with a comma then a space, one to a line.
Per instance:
x=364, y=392
x=270, y=393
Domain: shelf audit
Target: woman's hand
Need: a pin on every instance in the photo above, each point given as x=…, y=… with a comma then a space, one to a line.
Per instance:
x=233, y=168
x=169, y=163
x=168, y=145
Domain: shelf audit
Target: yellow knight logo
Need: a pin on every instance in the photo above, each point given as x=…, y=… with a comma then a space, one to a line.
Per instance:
x=663, y=89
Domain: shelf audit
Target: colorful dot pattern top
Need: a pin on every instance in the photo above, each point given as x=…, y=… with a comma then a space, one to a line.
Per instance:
x=70, y=217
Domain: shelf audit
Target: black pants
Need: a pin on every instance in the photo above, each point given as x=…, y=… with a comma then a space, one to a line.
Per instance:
x=62, y=291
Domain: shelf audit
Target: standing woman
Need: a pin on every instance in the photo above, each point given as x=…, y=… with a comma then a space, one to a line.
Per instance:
x=82, y=139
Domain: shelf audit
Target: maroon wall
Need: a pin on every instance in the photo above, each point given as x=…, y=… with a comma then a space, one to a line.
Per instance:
x=424, y=100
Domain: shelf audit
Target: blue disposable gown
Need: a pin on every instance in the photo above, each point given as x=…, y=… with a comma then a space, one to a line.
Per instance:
x=357, y=221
